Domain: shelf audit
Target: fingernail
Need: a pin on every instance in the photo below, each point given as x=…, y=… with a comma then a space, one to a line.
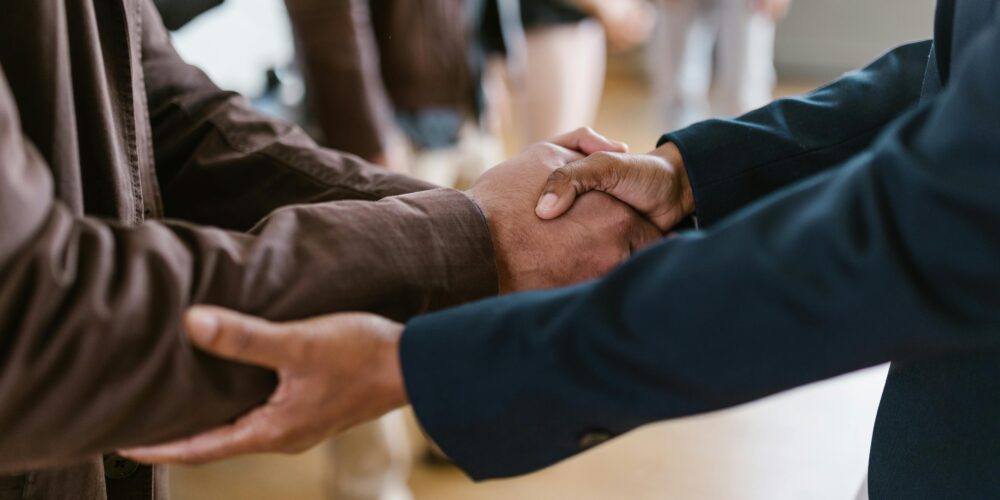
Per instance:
x=548, y=202
x=202, y=323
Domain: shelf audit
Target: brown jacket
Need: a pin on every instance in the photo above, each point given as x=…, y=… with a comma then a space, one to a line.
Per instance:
x=366, y=59
x=104, y=135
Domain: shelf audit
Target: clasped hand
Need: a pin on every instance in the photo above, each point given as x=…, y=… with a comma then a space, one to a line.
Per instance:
x=343, y=369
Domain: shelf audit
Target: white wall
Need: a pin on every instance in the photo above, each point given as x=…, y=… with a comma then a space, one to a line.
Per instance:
x=237, y=42
x=823, y=38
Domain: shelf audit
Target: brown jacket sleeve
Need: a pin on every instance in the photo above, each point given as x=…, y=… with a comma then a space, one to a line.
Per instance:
x=221, y=163
x=92, y=356
x=340, y=57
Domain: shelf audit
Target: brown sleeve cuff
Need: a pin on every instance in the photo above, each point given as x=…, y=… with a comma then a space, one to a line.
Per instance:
x=459, y=263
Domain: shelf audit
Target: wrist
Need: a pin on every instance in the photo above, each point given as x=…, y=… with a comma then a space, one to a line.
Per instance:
x=496, y=228
x=670, y=153
x=390, y=384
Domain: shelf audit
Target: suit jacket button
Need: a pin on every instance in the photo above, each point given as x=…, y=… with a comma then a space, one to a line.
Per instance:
x=593, y=438
x=118, y=467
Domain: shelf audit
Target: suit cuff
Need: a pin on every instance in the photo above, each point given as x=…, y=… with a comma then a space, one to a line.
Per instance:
x=700, y=156
x=472, y=375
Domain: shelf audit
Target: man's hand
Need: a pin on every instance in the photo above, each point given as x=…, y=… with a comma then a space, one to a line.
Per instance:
x=655, y=184
x=333, y=372
x=594, y=236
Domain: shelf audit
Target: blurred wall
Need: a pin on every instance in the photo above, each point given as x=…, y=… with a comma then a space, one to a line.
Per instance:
x=824, y=38
x=238, y=42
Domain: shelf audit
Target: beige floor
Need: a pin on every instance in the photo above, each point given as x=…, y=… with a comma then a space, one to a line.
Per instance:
x=808, y=444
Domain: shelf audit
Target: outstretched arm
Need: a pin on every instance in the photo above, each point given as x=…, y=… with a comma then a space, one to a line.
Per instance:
x=90, y=310
x=889, y=256
x=714, y=168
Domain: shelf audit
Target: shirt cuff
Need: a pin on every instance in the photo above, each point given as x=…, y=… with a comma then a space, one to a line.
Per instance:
x=463, y=264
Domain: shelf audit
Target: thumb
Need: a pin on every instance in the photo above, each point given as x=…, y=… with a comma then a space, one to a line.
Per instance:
x=594, y=173
x=237, y=337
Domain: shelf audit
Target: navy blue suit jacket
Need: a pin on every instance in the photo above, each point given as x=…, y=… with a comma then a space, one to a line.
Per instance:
x=853, y=226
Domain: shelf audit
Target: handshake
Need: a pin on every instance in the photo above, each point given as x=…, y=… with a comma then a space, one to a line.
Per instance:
x=561, y=212
x=635, y=199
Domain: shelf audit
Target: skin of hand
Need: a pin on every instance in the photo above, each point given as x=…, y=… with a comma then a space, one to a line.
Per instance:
x=655, y=184
x=627, y=23
x=590, y=239
x=333, y=372
x=340, y=370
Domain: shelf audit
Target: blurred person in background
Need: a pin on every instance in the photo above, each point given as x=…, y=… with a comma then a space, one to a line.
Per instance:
x=401, y=83
x=552, y=77
x=726, y=42
x=391, y=81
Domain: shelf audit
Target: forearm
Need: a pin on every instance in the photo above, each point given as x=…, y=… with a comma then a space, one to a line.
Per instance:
x=733, y=162
x=93, y=353
x=92, y=311
x=783, y=296
x=221, y=176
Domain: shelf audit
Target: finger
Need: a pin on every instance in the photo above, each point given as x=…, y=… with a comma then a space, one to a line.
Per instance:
x=644, y=234
x=242, y=437
x=565, y=184
x=588, y=142
x=238, y=337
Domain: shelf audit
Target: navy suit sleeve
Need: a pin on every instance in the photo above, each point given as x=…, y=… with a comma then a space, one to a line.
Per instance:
x=894, y=255
x=733, y=162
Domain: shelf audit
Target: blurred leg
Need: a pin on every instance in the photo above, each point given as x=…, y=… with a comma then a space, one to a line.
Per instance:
x=437, y=166
x=336, y=45
x=745, y=77
x=565, y=68
x=681, y=61
x=460, y=165
x=371, y=461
